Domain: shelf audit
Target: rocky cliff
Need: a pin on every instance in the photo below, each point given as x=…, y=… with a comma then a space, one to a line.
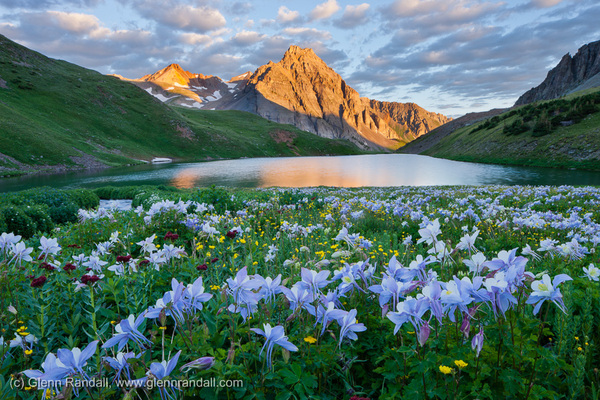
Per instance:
x=301, y=90
x=572, y=73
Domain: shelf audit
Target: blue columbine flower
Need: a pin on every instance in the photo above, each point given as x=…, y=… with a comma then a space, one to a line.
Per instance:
x=349, y=326
x=76, y=359
x=241, y=288
x=326, y=315
x=128, y=329
x=313, y=281
x=269, y=287
x=172, y=303
x=160, y=371
x=194, y=295
x=120, y=363
x=547, y=290
x=275, y=335
x=53, y=376
x=454, y=296
x=297, y=296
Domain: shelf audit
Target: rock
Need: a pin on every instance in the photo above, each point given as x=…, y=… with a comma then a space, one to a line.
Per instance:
x=570, y=74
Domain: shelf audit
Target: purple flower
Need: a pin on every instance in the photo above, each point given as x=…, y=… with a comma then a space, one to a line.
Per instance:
x=274, y=336
x=201, y=363
x=477, y=342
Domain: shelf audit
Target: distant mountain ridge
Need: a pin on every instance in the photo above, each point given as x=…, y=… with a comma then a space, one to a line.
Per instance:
x=582, y=71
x=303, y=91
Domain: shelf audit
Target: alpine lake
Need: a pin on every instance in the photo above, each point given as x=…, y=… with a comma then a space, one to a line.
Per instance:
x=379, y=170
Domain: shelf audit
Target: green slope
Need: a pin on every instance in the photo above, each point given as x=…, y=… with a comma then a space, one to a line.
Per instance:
x=56, y=115
x=533, y=135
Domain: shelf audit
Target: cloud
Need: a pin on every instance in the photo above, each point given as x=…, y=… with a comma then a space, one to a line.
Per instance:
x=74, y=22
x=246, y=38
x=353, y=16
x=240, y=8
x=181, y=16
x=308, y=33
x=434, y=17
x=285, y=15
x=545, y=3
x=485, y=61
x=324, y=10
x=42, y=4
x=195, y=39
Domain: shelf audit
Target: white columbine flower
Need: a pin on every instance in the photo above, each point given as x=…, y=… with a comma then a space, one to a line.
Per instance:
x=592, y=272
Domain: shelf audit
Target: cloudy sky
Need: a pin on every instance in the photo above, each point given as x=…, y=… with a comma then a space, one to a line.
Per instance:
x=449, y=56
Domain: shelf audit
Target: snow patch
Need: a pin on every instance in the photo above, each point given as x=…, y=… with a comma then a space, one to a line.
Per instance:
x=157, y=95
x=193, y=105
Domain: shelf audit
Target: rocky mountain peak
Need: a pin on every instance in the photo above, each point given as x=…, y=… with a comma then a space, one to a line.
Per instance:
x=572, y=73
x=300, y=90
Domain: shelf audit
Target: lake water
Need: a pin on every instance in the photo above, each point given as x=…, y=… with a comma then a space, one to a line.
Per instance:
x=340, y=171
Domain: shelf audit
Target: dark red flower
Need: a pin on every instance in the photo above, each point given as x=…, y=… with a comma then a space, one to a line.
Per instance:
x=38, y=282
x=144, y=262
x=214, y=260
x=76, y=246
x=123, y=259
x=231, y=234
x=85, y=279
x=47, y=266
x=202, y=267
x=69, y=267
x=88, y=269
x=171, y=236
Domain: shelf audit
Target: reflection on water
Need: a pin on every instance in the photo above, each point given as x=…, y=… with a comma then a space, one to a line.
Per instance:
x=341, y=171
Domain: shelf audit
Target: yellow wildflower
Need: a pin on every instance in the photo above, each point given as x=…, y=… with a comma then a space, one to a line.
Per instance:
x=460, y=364
x=310, y=339
x=445, y=370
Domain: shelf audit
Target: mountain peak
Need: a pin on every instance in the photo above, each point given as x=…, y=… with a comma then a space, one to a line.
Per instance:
x=297, y=51
x=572, y=73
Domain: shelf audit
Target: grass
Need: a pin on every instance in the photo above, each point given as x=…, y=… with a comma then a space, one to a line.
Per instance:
x=53, y=111
x=553, y=145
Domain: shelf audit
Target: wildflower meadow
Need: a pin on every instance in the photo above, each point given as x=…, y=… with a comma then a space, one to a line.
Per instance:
x=320, y=293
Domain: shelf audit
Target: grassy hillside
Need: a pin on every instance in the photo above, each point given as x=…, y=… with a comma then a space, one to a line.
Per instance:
x=563, y=133
x=55, y=115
